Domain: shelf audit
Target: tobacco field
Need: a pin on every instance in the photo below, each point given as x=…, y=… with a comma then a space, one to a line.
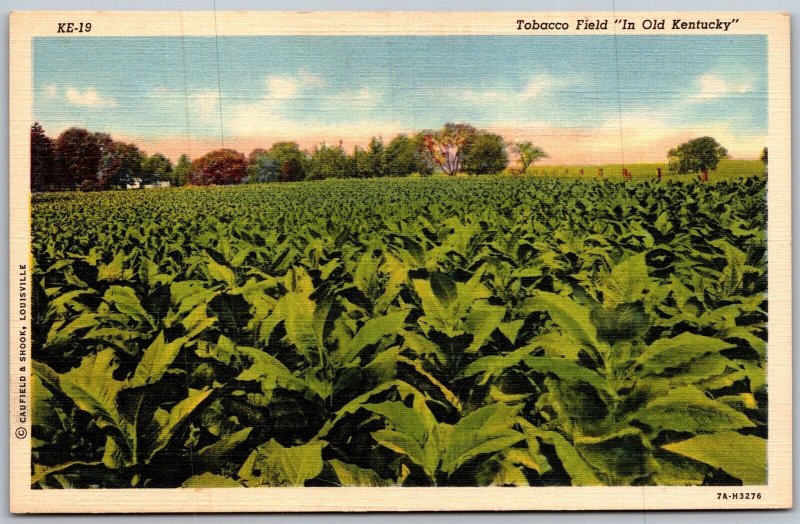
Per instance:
x=472, y=331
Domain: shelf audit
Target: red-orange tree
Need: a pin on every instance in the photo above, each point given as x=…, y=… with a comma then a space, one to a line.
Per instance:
x=221, y=166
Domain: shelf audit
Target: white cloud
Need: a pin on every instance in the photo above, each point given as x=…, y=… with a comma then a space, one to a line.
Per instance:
x=51, y=90
x=536, y=87
x=282, y=87
x=285, y=87
x=712, y=86
x=89, y=97
x=206, y=103
x=270, y=113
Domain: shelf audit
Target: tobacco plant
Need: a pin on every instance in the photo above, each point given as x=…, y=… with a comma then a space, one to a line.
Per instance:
x=415, y=332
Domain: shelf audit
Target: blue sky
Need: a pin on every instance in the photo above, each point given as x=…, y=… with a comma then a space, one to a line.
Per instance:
x=626, y=98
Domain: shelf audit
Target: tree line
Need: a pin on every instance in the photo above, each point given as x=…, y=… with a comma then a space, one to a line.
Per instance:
x=79, y=159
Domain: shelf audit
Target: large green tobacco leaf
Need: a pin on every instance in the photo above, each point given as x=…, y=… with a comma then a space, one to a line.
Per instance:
x=626, y=282
x=40, y=473
x=425, y=456
x=677, y=351
x=573, y=319
x=124, y=299
x=298, y=312
x=169, y=421
x=210, y=480
x=271, y=464
x=486, y=430
x=444, y=447
x=436, y=309
x=63, y=331
x=580, y=473
x=621, y=457
x=447, y=303
x=741, y=456
x=567, y=371
x=687, y=409
x=254, y=363
x=157, y=358
x=416, y=423
x=495, y=365
x=114, y=270
x=221, y=273
x=481, y=322
x=404, y=389
x=507, y=468
x=352, y=475
x=213, y=455
x=94, y=389
x=670, y=469
x=444, y=289
x=373, y=331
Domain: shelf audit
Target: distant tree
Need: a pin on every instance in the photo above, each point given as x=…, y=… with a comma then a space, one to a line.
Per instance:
x=220, y=167
x=252, y=160
x=528, y=154
x=43, y=160
x=182, y=172
x=78, y=154
x=360, y=164
x=371, y=161
x=445, y=147
x=293, y=162
x=403, y=156
x=484, y=154
x=765, y=159
x=104, y=142
x=156, y=167
x=376, y=157
x=328, y=162
x=697, y=155
x=262, y=168
x=254, y=154
x=120, y=165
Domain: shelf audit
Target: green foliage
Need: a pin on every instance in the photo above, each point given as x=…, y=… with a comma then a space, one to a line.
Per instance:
x=369, y=162
x=182, y=173
x=401, y=332
x=293, y=162
x=43, y=160
x=77, y=153
x=485, y=154
x=528, y=154
x=328, y=162
x=698, y=155
x=262, y=168
x=156, y=167
x=403, y=157
x=120, y=165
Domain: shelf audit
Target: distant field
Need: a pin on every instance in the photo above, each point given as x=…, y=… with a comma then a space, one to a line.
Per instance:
x=728, y=169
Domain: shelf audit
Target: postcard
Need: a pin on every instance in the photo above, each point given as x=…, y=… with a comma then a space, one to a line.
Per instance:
x=399, y=261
